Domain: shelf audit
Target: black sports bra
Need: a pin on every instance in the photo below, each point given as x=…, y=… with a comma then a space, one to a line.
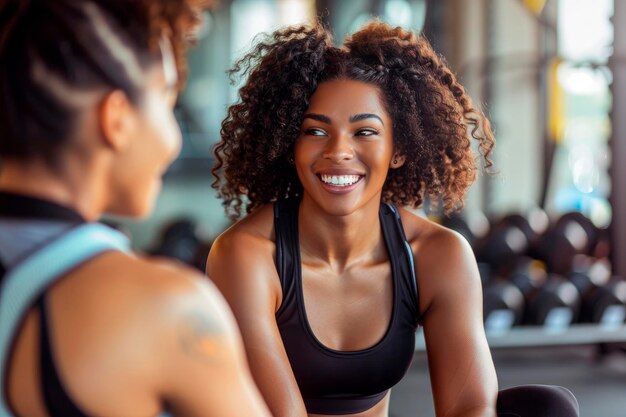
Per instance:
x=345, y=382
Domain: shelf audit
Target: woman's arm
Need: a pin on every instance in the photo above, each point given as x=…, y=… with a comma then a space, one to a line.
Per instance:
x=203, y=369
x=462, y=373
x=242, y=266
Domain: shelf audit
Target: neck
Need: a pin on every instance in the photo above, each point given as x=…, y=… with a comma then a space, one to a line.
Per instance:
x=340, y=241
x=71, y=187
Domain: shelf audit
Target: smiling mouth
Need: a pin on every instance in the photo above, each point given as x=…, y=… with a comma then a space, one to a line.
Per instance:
x=340, y=180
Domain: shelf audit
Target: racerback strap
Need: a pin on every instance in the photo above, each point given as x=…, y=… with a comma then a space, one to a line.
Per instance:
x=25, y=282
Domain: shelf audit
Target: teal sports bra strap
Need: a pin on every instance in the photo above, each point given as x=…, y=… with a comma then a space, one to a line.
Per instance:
x=31, y=277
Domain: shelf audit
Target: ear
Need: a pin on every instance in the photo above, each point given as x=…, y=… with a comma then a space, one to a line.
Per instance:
x=118, y=120
x=397, y=161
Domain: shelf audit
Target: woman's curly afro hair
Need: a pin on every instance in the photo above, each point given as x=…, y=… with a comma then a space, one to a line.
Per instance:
x=434, y=121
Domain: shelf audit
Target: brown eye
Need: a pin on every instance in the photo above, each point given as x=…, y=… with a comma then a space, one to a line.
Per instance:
x=314, y=132
x=366, y=132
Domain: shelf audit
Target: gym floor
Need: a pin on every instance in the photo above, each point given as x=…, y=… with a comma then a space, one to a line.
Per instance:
x=598, y=382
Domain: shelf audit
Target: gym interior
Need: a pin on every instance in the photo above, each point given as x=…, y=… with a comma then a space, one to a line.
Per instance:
x=547, y=222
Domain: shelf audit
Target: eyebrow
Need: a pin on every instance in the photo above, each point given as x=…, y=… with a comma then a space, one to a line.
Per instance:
x=355, y=118
x=318, y=117
x=363, y=116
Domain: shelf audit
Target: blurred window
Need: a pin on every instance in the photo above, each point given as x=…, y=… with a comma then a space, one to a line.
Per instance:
x=580, y=180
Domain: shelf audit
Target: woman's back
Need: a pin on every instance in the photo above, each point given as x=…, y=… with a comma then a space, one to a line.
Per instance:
x=119, y=334
x=87, y=127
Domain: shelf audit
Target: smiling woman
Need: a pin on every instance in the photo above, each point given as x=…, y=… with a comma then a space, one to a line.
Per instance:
x=327, y=276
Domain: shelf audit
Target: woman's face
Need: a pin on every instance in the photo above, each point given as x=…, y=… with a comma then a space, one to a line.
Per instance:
x=155, y=144
x=345, y=146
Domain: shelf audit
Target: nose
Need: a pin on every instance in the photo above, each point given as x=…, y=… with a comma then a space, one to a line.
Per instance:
x=338, y=148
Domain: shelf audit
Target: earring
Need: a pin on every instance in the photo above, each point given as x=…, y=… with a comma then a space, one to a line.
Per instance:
x=395, y=162
x=290, y=159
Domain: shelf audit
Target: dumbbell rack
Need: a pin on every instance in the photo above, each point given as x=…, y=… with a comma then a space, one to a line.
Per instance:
x=538, y=336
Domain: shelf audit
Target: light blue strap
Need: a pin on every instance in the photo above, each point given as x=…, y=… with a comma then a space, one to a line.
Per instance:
x=25, y=282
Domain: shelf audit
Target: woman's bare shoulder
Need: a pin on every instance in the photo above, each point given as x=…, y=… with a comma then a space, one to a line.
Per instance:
x=242, y=260
x=424, y=235
x=252, y=235
x=152, y=294
x=144, y=276
x=443, y=258
x=257, y=226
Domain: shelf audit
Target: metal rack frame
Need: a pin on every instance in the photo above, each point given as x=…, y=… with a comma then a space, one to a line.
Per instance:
x=537, y=336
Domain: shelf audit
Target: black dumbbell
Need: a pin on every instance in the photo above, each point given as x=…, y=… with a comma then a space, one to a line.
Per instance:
x=551, y=300
x=512, y=236
x=178, y=240
x=603, y=295
x=573, y=234
x=503, y=302
x=609, y=303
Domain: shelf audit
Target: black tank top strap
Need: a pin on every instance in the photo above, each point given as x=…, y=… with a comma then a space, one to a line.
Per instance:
x=287, y=255
x=55, y=396
x=398, y=245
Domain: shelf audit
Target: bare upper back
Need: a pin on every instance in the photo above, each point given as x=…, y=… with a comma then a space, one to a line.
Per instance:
x=111, y=322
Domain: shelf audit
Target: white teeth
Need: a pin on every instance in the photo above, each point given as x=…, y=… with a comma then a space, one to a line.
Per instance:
x=341, y=180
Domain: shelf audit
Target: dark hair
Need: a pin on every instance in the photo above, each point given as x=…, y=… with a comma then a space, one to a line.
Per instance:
x=433, y=118
x=49, y=46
